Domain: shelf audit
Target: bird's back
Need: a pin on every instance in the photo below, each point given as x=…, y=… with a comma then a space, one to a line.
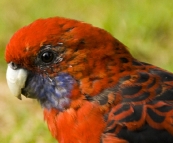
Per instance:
x=145, y=112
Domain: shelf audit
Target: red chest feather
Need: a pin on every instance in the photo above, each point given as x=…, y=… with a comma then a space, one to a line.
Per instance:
x=84, y=125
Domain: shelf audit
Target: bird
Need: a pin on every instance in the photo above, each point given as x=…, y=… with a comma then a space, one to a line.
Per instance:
x=91, y=88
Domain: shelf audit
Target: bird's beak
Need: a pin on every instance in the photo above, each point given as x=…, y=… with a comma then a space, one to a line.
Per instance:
x=16, y=79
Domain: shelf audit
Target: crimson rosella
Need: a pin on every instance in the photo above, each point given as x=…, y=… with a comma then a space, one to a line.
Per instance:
x=91, y=88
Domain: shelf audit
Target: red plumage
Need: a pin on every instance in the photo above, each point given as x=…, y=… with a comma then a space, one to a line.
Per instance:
x=91, y=88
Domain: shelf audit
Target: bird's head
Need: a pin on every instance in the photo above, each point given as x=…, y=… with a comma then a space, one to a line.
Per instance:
x=56, y=59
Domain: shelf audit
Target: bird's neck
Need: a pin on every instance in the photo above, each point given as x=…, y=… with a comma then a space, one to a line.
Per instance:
x=84, y=124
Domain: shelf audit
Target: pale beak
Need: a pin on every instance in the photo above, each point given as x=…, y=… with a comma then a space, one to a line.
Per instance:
x=16, y=79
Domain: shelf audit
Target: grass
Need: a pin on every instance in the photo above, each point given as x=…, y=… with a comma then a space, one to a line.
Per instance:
x=144, y=26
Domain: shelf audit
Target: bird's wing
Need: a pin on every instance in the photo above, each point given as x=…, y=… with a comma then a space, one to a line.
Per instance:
x=145, y=112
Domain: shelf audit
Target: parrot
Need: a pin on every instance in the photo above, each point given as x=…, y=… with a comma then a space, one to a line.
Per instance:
x=90, y=87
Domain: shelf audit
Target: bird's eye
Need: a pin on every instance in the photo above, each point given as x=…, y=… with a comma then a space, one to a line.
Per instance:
x=47, y=56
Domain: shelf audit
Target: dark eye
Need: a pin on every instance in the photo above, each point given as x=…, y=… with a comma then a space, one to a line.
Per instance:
x=47, y=56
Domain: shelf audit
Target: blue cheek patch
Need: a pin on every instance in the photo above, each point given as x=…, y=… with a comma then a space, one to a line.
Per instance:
x=51, y=93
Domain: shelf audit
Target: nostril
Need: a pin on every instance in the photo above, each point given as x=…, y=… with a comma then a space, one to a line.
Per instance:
x=14, y=66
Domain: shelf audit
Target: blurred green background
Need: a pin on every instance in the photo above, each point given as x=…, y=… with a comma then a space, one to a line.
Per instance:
x=145, y=26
